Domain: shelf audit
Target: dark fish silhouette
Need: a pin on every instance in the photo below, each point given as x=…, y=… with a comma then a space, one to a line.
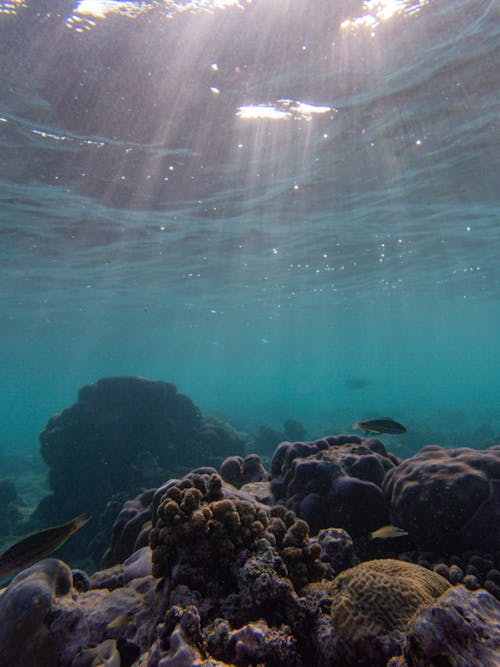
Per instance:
x=37, y=546
x=356, y=383
x=381, y=425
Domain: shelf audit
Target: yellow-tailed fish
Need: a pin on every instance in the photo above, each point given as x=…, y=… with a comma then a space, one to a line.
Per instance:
x=39, y=545
x=387, y=532
x=381, y=425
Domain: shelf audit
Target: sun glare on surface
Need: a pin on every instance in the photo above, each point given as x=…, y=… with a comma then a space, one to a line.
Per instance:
x=377, y=11
x=88, y=11
x=282, y=110
x=257, y=111
x=99, y=9
x=12, y=6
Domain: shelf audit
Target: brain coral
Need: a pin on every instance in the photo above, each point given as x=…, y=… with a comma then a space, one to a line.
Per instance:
x=448, y=499
x=333, y=482
x=373, y=603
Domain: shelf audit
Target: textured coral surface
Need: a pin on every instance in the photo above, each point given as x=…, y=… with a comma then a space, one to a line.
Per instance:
x=333, y=482
x=448, y=498
x=372, y=605
x=460, y=628
x=379, y=596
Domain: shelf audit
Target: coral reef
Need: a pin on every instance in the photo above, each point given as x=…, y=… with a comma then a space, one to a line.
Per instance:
x=473, y=569
x=337, y=550
x=124, y=434
x=24, y=608
x=210, y=542
x=448, y=499
x=335, y=481
x=131, y=529
x=199, y=571
x=182, y=641
x=132, y=519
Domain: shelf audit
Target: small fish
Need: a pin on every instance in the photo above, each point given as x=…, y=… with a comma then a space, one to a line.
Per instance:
x=117, y=622
x=357, y=383
x=381, y=425
x=39, y=545
x=388, y=532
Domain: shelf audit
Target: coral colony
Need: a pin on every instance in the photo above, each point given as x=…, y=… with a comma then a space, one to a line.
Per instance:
x=340, y=554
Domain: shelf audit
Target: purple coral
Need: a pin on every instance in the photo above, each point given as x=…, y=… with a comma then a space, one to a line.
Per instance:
x=333, y=482
x=460, y=628
x=448, y=499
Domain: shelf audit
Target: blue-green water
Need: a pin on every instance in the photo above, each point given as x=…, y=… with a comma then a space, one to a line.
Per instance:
x=169, y=207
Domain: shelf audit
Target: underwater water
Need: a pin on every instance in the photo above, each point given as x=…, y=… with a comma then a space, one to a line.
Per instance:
x=288, y=209
x=259, y=201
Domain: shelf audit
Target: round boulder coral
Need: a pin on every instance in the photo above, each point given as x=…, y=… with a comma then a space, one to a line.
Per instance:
x=333, y=482
x=238, y=471
x=448, y=499
x=122, y=435
x=25, y=606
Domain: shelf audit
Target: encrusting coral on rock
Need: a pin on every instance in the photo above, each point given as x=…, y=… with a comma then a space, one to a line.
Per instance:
x=459, y=629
